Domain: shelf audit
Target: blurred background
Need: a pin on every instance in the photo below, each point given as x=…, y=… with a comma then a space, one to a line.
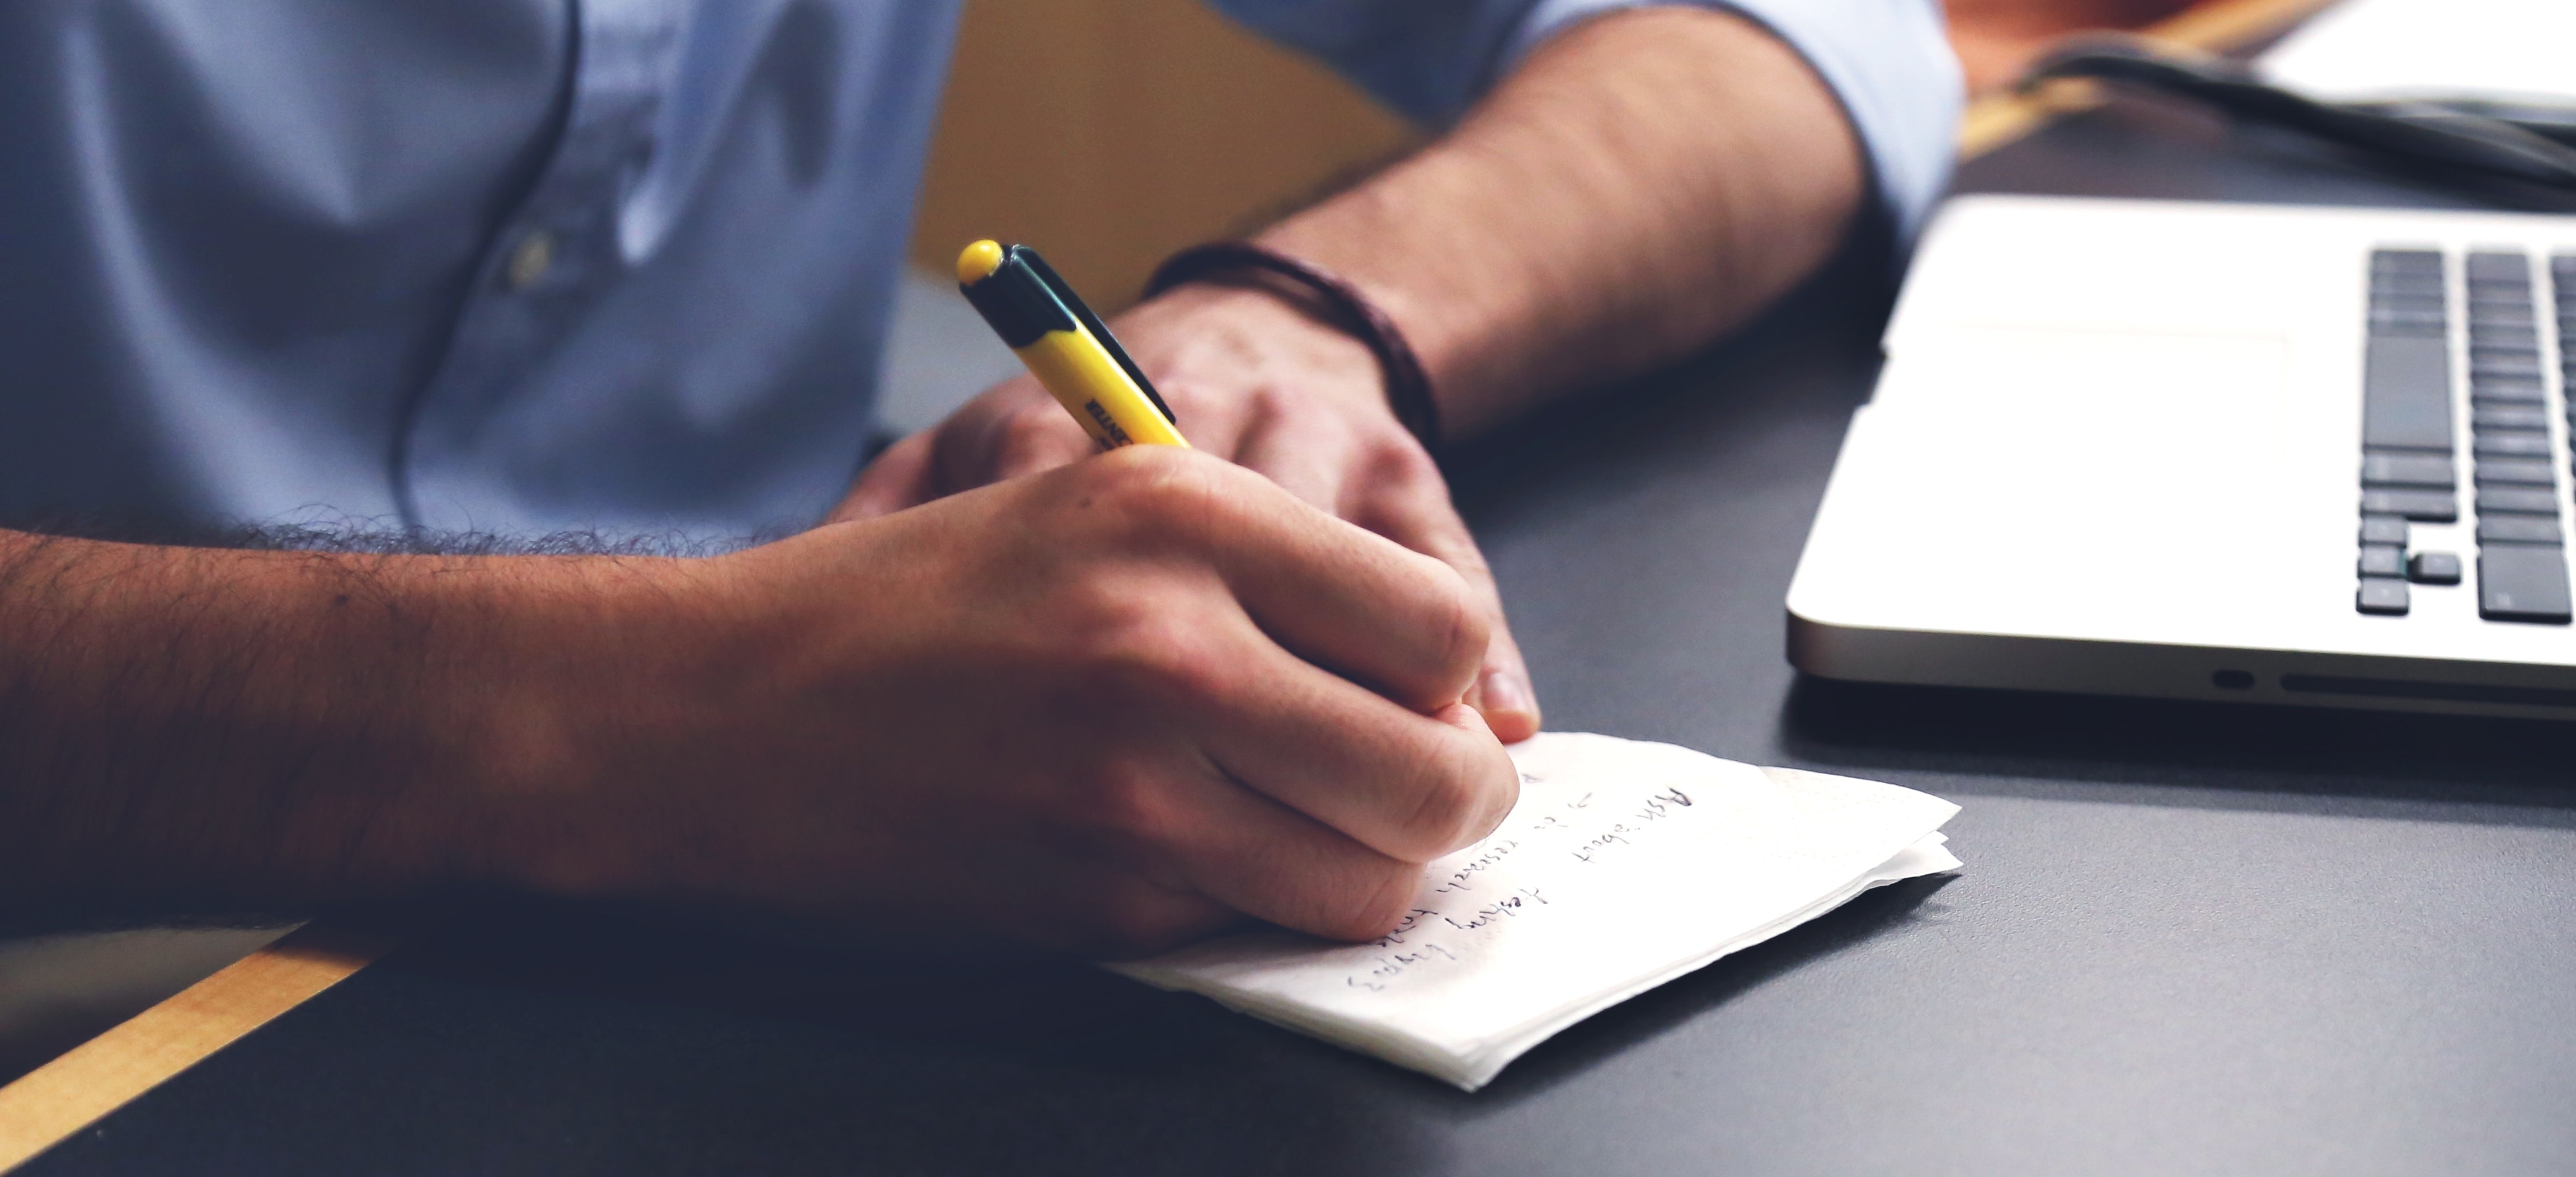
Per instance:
x=1110, y=133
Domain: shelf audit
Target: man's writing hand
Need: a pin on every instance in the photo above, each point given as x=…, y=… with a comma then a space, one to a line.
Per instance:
x=1106, y=708
x=1255, y=381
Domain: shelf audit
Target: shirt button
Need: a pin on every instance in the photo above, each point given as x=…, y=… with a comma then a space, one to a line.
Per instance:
x=530, y=261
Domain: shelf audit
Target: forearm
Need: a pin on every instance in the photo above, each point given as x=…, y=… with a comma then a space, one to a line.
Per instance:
x=1642, y=184
x=218, y=729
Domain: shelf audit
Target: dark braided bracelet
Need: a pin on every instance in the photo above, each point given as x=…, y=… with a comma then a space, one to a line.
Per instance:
x=1342, y=306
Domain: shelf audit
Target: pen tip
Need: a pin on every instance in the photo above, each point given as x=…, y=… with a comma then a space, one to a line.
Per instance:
x=978, y=262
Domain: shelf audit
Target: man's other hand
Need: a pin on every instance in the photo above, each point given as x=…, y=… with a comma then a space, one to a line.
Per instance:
x=1107, y=708
x=1254, y=380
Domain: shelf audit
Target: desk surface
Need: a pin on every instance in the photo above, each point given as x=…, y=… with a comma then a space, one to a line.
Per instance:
x=2189, y=939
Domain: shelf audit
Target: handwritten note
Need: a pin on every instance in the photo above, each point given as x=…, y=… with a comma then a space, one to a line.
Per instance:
x=1626, y=864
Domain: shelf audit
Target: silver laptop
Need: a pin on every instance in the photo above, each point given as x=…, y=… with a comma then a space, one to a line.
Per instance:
x=2209, y=451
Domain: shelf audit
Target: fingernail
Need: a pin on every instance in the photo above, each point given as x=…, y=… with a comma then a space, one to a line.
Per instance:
x=1504, y=691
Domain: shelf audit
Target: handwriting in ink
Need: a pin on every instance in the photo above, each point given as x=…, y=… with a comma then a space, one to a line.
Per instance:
x=1657, y=808
x=1493, y=854
x=1385, y=969
x=1412, y=919
x=1507, y=907
x=1617, y=834
x=1662, y=804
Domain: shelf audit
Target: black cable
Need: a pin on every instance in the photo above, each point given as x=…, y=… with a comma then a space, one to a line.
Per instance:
x=2468, y=140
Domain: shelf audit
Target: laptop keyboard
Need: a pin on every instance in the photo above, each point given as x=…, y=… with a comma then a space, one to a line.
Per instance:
x=2410, y=471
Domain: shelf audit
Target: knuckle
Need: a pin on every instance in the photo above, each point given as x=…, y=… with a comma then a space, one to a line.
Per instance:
x=1463, y=628
x=1456, y=804
x=1445, y=809
x=1399, y=463
x=1157, y=657
x=1375, y=903
x=1129, y=806
x=1163, y=493
x=1025, y=438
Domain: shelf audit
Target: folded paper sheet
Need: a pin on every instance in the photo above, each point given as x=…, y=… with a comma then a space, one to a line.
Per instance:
x=1626, y=865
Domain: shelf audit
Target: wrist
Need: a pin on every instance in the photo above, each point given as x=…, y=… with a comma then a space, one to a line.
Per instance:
x=1244, y=334
x=1326, y=299
x=590, y=667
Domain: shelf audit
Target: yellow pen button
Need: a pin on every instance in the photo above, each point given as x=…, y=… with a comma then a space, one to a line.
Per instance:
x=979, y=261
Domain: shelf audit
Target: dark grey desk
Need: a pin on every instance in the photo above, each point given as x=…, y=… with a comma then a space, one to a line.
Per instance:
x=2189, y=940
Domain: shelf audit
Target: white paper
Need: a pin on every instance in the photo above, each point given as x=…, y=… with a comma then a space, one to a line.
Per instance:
x=1625, y=865
x=2520, y=51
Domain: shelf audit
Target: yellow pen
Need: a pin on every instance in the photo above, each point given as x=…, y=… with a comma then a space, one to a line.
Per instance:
x=1065, y=346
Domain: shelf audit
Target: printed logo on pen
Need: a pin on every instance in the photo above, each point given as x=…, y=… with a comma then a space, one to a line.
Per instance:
x=1117, y=436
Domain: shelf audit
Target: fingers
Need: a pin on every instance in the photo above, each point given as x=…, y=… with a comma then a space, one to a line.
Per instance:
x=897, y=480
x=1013, y=430
x=1213, y=845
x=1308, y=454
x=1409, y=786
x=1334, y=594
x=1409, y=503
x=1265, y=860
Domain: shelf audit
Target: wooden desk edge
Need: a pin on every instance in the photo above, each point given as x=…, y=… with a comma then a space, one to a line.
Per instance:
x=48, y=1105
x=70, y=1093
x=2001, y=117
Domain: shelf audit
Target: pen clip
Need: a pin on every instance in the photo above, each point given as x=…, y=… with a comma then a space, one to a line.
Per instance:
x=1073, y=305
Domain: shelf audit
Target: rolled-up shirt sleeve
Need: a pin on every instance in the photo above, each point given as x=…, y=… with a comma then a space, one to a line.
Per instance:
x=1888, y=61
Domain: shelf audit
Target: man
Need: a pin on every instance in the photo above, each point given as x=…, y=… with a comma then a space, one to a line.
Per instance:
x=514, y=267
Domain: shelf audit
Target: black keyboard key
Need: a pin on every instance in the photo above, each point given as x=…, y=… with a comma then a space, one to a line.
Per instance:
x=2433, y=568
x=2513, y=500
x=2495, y=263
x=2407, y=323
x=2498, y=368
x=2501, y=333
x=2515, y=472
x=2382, y=596
x=2383, y=529
x=2407, y=399
x=2522, y=582
x=2508, y=392
x=2383, y=560
x=2512, y=443
x=2518, y=529
x=2405, y=469
x=2509, y=417
x=2423, y=506
x=2427, y=300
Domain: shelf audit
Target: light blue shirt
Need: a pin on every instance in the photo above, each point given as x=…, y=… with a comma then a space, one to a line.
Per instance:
x=522, y=266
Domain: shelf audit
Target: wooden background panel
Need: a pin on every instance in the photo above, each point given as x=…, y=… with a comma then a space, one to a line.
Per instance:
x=1109, y=133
